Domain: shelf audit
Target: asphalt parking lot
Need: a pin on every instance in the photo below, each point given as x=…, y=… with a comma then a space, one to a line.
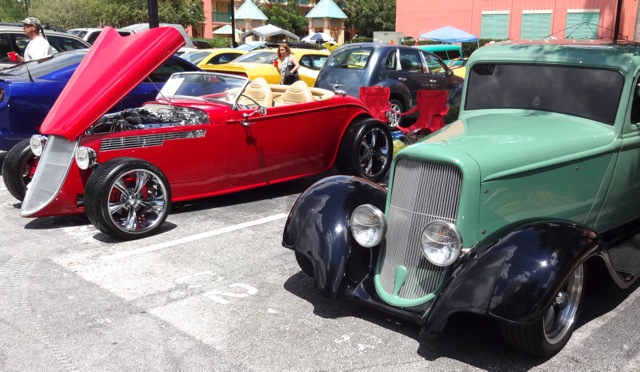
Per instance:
x=216, y=291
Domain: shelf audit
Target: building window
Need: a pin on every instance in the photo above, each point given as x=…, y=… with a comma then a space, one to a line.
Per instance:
x=535, y=25
x=495, y=26
x=582, y=24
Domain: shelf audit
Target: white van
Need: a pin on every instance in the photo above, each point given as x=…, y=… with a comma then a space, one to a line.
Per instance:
x=139, y=27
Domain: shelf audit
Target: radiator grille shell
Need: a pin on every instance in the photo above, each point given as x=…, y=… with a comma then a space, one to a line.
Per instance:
x=421, y=192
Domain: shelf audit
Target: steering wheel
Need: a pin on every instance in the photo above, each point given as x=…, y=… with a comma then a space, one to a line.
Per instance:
x=250, y=99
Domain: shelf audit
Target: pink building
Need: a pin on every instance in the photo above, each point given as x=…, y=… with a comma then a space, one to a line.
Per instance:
x=520, y=19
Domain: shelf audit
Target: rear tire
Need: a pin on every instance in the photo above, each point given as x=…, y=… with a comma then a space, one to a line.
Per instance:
x=18, y=168
x=549, y=334
x=366, y=150
x=127, y=198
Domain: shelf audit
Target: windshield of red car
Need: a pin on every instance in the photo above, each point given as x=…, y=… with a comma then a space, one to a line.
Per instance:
x=207, y=85
x=578, y=91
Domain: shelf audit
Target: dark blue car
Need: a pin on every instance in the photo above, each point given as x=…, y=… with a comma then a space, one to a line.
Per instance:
x=28, y=91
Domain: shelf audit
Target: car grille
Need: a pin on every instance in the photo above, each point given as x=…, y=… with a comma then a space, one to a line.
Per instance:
x=50, y=174
x=120, y=143
x=421, y=192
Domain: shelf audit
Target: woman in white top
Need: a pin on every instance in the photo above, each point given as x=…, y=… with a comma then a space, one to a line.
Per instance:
x=38, y=47
x=288, y=65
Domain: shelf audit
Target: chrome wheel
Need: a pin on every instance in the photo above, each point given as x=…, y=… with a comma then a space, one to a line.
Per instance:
x=553, y=329
x=127, y=198
x=561, y=315
x=374, y=152
x=137, y=201
x=394, y=114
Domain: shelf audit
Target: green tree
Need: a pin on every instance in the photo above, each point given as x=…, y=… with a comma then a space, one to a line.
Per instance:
x=288, y=17
x=115, y=13
x=12, y=10
x=368, y=16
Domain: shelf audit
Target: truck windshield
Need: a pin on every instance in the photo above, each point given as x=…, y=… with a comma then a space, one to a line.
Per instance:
x=584, y=92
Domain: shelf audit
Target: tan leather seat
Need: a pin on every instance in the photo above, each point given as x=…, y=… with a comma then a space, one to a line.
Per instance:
x=259, y=90
x=297, y=92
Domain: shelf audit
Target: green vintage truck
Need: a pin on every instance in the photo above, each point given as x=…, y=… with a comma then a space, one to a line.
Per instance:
x=501, y=212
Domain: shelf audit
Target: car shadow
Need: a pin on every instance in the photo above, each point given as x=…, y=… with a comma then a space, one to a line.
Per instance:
x=472, y=339
x=249, y=196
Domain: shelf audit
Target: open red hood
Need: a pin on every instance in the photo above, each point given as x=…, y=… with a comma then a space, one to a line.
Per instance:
x=113, y=66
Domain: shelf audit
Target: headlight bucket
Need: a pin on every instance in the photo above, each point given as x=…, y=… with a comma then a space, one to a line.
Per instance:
x=36, y=143
x=368, y=225
x=85, y=157
x=441, y=243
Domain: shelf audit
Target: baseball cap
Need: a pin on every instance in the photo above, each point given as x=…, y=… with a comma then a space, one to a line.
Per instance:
x=31, y=21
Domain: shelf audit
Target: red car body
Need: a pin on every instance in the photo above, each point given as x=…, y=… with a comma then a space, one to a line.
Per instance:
x=230, y=147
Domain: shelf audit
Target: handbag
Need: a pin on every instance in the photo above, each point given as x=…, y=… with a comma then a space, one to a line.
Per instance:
x=290, y=77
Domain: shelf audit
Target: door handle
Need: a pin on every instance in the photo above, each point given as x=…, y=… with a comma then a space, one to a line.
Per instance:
x=402, y=79
x=433, y=81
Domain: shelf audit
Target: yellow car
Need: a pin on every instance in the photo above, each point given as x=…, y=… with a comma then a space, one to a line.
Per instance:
x=259, y=63
x=214, y=56
x=458, y=66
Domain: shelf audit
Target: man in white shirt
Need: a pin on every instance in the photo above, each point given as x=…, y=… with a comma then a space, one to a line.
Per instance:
x=38, y=47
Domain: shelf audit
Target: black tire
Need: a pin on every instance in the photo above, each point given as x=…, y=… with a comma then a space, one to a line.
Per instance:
x=18, y=168
x=552, y=331
x=366, y=150
x=394, y=115
x=304, y=263
x=127, y=198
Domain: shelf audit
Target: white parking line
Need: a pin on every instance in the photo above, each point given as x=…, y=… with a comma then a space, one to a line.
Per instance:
x=188, y=239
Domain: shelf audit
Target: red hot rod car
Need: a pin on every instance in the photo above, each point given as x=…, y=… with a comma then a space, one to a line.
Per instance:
x=206, y=134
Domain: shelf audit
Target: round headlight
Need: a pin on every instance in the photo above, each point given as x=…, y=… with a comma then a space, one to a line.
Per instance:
x=85, y=157
x=36, y=142
x=441, y=243
x=368, y=225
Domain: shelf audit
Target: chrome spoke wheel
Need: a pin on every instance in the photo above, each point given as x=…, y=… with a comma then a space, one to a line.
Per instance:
x=137, y=201
x=374, y=152
x=394, y=114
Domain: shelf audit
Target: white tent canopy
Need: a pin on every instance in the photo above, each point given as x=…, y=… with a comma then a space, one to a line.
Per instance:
x=266, y=31
x=449, y=34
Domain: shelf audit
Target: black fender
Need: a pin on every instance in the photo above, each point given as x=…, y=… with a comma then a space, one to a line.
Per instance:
x=398, y=90
x=318, y=228
x=515, y=277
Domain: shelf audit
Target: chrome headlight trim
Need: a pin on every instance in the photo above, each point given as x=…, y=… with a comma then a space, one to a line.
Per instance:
x=368, y=225
x=85, y=157
x=36, y=143
x=441, y=243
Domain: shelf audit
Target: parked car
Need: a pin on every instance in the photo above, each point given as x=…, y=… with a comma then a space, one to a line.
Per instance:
x=28, y=91
x=13, y=39
x=251, y=45
x=225, y=133
x=403, y=69
x=446, y=52
x=459, y=66
x=217, y=56
x=259, y=63
x=91, y=34
x=500, y=212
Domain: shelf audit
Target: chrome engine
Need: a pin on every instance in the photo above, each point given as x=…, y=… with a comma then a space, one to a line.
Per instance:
x=149, y=116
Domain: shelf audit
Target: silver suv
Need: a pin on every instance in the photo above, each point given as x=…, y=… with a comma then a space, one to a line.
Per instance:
x=13, y=39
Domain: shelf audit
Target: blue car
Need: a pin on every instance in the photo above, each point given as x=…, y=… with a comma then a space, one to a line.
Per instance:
x=27, y=91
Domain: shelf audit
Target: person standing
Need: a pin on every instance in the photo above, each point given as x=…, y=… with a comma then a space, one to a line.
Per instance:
x=288, y=65
x=38, y=47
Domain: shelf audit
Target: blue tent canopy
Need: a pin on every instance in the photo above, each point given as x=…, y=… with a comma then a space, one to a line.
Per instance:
x=449, y=34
